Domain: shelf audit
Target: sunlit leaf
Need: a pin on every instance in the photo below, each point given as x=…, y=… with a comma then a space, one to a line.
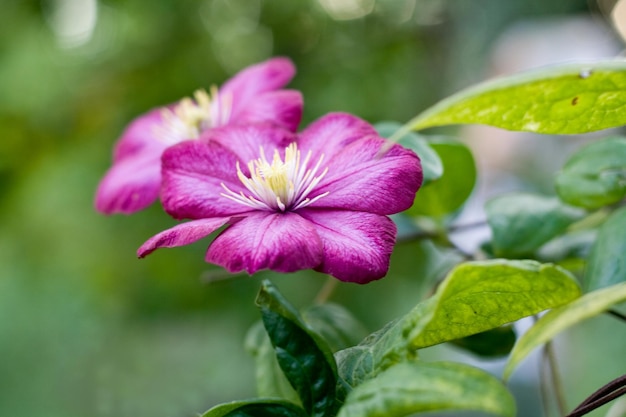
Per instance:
x=409, y=388
x=478, y=296
x=607, y=262
x=270, y=379
x=431, y=163
x=256, y=408
x=559, y=319
x=522, y=222
x=303, y=356
x=595, y=176
x=448, y=193
x=563, y=99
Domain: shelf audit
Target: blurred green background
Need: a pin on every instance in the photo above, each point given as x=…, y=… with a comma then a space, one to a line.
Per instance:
x=86, y=329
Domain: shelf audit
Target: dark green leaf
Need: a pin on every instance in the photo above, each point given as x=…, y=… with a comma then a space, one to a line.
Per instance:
x=492, y=343
x=607, y=262
x=595, y=176
x=256, y=408
x=563, y=99
x=431, y=163
x=270, y=379
x=522, y=222
x=478, y=296
x=408, y=388
x=448, y=193
x=303, y=356
x=559, y=319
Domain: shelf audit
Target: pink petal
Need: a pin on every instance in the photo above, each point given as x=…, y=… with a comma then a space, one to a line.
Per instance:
x=362, y=178
x=357, y=245
x=247, y=84
x=283, y=242
x=193, y=172
x=246, y=141
x=183, y=234
x=331, y=133
x=130, y=185
x=282, y=108
x=141, y=136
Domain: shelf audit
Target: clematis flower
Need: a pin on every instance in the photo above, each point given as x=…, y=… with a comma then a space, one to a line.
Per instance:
x=254, y=95
x=319, y=200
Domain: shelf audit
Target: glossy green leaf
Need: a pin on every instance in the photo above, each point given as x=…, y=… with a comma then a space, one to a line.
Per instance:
x=431, y=163
x=256, y=408
x=303, y=356
x=563, y=99
x=335, y=324
x=448, y=193
x=595, y=176
x=607, y=262
x=559, y=319
x=478, y=296
x=522, y=222
x=409, y=388
x=490, y=344
x=270, y=379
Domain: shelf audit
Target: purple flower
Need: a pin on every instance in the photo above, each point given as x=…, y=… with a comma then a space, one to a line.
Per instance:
x=252, y=96
x=318, y=200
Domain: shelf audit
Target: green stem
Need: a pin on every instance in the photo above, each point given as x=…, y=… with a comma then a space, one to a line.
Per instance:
x=557, y=386
x=326, y=291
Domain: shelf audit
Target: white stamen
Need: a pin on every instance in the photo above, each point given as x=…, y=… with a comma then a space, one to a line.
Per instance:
x=189, y=118
x=279, y=185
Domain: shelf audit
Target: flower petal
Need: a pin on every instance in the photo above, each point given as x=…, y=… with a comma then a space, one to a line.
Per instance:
x=193, y=172
x=140, y=136
x=283, y=242
x=130, y=185
x=331, y=133
x=246, y=141
x=362, y=178
x=357, y=245
x=256, y=79
x=182, y=234
x=282, y=108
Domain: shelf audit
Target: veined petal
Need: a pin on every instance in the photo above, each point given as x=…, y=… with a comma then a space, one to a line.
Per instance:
x=362, y=178
x=269, y=75
x=282, y=108
x=246, y=141
x=193, y=174
x=130, y=185
x=182, y=234
x=283, y=242
x=331, y=133
x=357, y=245
x=141, y=136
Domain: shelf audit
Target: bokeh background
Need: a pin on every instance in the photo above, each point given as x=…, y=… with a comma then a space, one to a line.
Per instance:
x=87, y=329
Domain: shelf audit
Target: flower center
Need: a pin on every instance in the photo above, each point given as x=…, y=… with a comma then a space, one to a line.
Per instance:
x=190, y=117
x=279, y=185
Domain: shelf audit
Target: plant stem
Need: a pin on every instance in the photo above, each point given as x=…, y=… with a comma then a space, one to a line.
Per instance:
x=617, y=314
x=554, y=376
x=326, y=291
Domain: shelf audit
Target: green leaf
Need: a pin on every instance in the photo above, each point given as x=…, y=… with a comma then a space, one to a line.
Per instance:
x=563, y=99
x=431, y=163
x=303, y=356
x=408, y=388
x=256, y=408
x=522, y=222
x=478, y=296
x=270, y=379
x=595, y=176
x=335, y=324
x=448, y=193
x=607, y=262
x=490, y=344
x=561, y=318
